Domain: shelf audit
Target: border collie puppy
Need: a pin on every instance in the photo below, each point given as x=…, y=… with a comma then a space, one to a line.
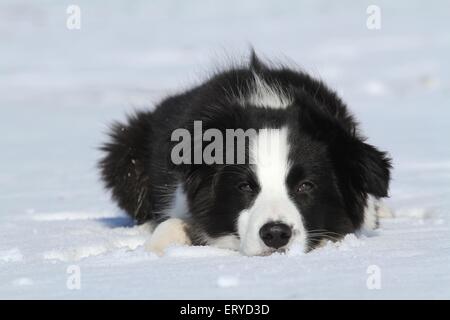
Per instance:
x=306, y=173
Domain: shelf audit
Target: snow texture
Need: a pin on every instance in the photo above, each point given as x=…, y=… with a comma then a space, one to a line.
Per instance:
x=60, y=88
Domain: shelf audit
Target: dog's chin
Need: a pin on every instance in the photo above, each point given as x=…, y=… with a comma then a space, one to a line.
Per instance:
x=275, y=251
x=250, y=247
x=267, y=252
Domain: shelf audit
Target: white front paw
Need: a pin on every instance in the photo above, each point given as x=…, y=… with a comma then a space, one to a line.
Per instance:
x=168, y=233
x=384, y=211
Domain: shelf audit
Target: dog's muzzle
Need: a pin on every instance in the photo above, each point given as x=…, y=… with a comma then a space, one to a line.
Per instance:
x=275, y=234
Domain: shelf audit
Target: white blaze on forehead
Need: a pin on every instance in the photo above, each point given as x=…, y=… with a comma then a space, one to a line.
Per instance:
x=269, y=152
x=264, y=95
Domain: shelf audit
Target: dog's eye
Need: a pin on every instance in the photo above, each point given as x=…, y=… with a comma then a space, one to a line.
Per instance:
x=245, y=187
x=305, y=187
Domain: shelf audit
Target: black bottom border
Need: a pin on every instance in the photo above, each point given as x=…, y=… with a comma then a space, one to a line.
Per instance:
x=223, y=309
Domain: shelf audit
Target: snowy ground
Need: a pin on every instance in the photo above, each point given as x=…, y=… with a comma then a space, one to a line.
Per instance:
x=59, y=89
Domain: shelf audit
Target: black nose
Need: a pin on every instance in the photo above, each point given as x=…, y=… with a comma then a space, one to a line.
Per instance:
x=275, y=234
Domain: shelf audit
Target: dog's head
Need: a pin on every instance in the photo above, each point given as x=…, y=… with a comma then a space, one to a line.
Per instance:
x=306, y=178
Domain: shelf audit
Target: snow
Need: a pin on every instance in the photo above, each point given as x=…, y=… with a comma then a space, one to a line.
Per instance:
x=11, y=255
x=227, y=281
x=59, y=90
x=23, y=282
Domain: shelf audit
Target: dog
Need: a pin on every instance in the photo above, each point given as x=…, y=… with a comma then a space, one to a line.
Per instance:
x=306, y=175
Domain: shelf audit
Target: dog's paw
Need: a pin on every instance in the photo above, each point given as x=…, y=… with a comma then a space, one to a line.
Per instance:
x=168, y=233
x=384, y=211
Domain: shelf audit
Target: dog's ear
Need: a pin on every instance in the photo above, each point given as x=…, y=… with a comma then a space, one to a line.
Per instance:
x=367, y=168
x=361, y=168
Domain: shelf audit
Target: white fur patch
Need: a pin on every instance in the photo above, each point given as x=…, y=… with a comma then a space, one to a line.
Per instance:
x=178, y=207
x=264, y=95
x=375, y=209
x=269, y=151
x=384, y=211
x=168, y=233
x=370, y=214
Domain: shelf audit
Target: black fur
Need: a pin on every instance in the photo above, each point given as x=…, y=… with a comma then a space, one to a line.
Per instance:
x=325, y=146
